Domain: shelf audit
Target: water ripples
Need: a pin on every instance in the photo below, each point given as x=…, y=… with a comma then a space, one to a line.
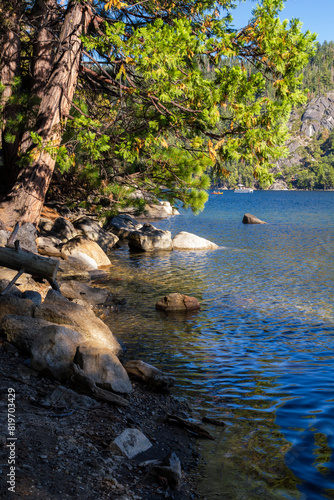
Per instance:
x=259, y=354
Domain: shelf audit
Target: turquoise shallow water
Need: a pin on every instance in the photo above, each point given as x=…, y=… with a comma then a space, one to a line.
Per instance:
x=259, y=355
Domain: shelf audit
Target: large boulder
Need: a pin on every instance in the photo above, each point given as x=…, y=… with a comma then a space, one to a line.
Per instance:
x=177, y=302
x=50, y=246
x=123, y=225
x=22, y=331
x=74, y=269
x=189, y=241
x=149, y=239
x=53, y=351
x=92, y=230
x=12, y=304
x=64, y=229
x=251, y=219
x=59, y=310
x=75, y=290
x=104, y=368
x=160, y=210
x=150, y=375
x=87, y=251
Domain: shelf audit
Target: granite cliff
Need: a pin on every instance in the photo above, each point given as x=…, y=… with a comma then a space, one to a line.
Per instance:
x=310, y=147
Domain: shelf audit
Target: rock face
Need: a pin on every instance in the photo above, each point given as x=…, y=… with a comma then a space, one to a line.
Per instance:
x=149, y=239
x=152, y=376
x=104, y=368
x=123, y=225
x=189, y=241
x=279, y=185
x=318, y=114
x=177, y=302
x=61, y=311
x=87, y=251
x=251, y=219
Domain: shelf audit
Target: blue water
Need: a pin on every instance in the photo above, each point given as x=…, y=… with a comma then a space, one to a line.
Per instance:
x=259, y=354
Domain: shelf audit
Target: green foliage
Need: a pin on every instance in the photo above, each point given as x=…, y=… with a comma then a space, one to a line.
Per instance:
x=176, y=95
x=319, y=72
x=316, y=169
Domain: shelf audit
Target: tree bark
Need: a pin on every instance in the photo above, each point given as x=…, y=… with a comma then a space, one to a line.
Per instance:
x=45, y=16
x=25, y=201
x=10, y=44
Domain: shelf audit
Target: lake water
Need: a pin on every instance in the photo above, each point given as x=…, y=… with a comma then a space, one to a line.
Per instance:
x=259, y=355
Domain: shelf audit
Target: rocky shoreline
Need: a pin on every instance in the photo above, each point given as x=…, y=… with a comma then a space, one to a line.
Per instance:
x=83, y=428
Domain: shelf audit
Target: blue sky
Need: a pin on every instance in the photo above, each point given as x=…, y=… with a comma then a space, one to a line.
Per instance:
x=317, y=16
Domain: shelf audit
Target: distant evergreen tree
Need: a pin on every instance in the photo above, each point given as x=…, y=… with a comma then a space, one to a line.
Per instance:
x=319, y=72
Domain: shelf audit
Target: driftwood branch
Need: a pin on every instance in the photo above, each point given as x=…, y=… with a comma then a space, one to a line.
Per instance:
x=190, y=426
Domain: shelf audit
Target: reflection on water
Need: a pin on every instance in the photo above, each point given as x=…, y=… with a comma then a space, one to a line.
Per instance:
x=259, y=353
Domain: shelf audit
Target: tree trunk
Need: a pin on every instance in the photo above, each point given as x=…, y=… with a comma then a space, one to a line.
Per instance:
x=45, y=16
x=25, y=201
x=10, y=70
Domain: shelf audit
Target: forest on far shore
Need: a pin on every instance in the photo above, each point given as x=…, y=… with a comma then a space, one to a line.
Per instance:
x=316, y=169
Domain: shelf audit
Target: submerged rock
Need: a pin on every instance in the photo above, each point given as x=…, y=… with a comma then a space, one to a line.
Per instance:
x=177, y=302
x=189, y=241
x=251, y=219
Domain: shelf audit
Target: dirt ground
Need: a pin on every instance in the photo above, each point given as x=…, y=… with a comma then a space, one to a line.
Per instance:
x=64, y=451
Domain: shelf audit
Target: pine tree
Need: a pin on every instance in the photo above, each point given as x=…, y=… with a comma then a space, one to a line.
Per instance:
x=119, y=92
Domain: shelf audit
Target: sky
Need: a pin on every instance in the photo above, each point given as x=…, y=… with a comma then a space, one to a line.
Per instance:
x=317, y=16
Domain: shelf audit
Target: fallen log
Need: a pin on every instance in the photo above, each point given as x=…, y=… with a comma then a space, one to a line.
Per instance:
x=30, y=263
x=23, y=261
